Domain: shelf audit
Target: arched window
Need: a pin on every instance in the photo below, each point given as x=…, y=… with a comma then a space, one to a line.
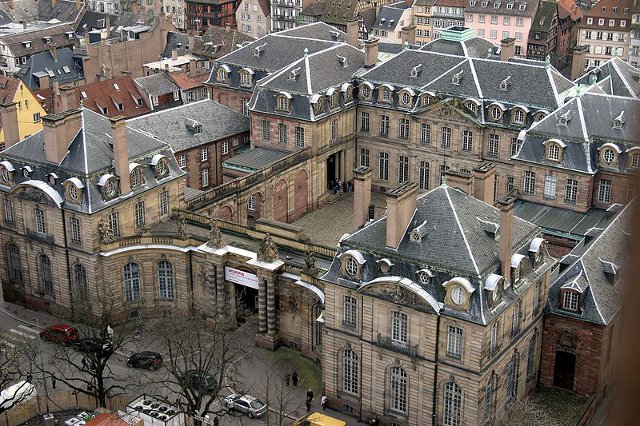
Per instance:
x=165, y=279
x=13, y=262
x=283, y=103
x=80, y=278
x=136, y=177
x=518, y=116
x=132, y=281
x=553, y=152
x=222, y=75
x=350, y=371
x=452, y=404
x=45, y=274
x=398, y=389
x=489, y=392
x=365, y=91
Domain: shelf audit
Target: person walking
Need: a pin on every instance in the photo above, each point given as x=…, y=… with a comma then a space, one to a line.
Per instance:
x=287, y=378
x=309, y=395
x=29, y=377
x=294, y=378
x=53, y=382
x=375, y=421
x=84, y=362
x=323, y=402
x=216, y=421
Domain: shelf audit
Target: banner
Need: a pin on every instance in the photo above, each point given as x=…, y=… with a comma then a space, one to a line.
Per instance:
x=237, y=276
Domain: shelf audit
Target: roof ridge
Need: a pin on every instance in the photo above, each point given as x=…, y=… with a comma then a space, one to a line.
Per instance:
x=466, y=242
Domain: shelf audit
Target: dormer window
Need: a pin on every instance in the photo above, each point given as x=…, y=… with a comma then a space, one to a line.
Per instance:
x=365, y=91
x=52, y=178
x=417, y=234
x=347, y=89
x=494, y=284
x=457, y=78
x=6, y=172
x=384, y=265
x=536, y=250
x=406, y=98
x=609, y=154
x=570, y=300
x=73, y=188
x=26, y=171
x=385, y=94
x=472, y=106
x=504, y=84
x=222, y=75
x=342, y=61
x=26, y=44
x=333, y=96
x=136, y=175
x=458, y=291
x=246, y=77
x=554, y=149
x=618, y=122
x=563, y=120
x=539, y=115
x=633, y=161
x=109, y=186
x=427, y=99
x=160, y=165
x=518, y=116
x=351, y=262
x=257, y=51
x=283, y=101
x=496, y=112
x=516, y=267
x=424, y=276
x=294, y=74
x=318, y=104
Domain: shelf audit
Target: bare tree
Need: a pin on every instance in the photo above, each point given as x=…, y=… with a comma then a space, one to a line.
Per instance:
x=279, y=396
x=15, y=363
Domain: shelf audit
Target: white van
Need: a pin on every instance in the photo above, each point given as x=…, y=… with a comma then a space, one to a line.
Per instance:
x=16, y=394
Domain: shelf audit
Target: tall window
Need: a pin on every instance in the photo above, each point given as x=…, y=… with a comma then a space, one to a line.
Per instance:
x=80, y=279
x=136, y=177
x=225, y=147
x=515, y=146
x=403, y=168
x=14, y=263
x=384, y=125
x=8, y=212
x=529, y=186
x=399, y=328
x=282, y=134
x=182, y=160
x=404, y=128
x=334, y=130
x=41, y=224
x=350, y=372
x=350, y=313
x=446, y=137
x=550, y=186
x=467, y=140
x=489, y=391
x=570, y=300
x=364, y=157
x=452, y=404
x=204, y=154
x=518, y=116
x=384, y=165
x=517, y=318
x=553, y=152
x=494, y=145
x=510, y=183
x=531, y=357
x=139, y=214
x=165, y=279
x=266, y=130
x=512, y=378
x=45, y=274
x=114, y=223
x=398, y=389
x=425, y=134
x=364, y=121
x=204, y=177
x=76, y=236
x=454, y=342
x=493, y=344
x=300, y=137
x=245, y=107
x=132, y=281
x=571, y=191
x=604, y=191
x=164, y=203
x=424, y=175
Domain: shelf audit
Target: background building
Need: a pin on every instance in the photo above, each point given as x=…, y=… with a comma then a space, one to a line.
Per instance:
x=254, y=17
x=21, y=112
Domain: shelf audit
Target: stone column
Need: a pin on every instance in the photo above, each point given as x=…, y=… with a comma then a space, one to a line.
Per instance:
x=220, y=290
x=262, y=305
x=271, y=306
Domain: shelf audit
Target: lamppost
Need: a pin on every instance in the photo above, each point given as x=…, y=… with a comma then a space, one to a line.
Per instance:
x=44, y=378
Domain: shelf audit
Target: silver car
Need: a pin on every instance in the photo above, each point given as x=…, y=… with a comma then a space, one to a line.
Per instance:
x=245, y=404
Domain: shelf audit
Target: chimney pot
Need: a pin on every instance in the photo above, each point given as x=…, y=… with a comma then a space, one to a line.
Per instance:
x=353, y=29
x=507, y=48
x=460, y=180
x=484, y=177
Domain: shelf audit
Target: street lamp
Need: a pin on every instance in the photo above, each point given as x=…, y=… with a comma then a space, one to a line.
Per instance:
x=44, y=379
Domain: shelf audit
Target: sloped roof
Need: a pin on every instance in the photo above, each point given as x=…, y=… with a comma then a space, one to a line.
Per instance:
x=543, y=21
x=57, y=33
x=8, y=87
x=104, y=94
x=65, y=69
x=183, y=81
x=156, y=84
x=255, y=159
x=489, y=7
x=475, y=47
x=568, y=8
x=217, y=42
x=615, y=77
x=389, y=17
x=32, y=10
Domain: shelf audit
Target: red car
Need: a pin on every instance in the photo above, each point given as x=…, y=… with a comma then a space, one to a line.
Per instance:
x=60, y=333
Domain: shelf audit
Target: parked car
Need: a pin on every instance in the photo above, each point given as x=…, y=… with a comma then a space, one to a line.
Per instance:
x=93, y=345
x=147, y=360
x=60, y=333
x=245, y=404
x=195, y=379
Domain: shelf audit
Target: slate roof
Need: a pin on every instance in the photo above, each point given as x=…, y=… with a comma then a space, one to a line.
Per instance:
x=90, y=155
x=543, y=20
x=590, y=125
x=389, y=17
x=488, y=7
x=455, y=245
x=104, y=94
x=475, y=47
x=615, y=77
x=156, y=84
x=217, y=121
x=32, y=10
x=92, y=20
x=41, y=63
x=217, y=42
x=601, y=299
x=315, y=31
x=173, y=39
x=58, y=34
x=255, y=159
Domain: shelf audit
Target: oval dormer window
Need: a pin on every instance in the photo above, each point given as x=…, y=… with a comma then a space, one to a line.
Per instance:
x=351, y=267
x=5, y=174
x=424, y=278
x=162, y=169
x=457, y=295
x=73, y=192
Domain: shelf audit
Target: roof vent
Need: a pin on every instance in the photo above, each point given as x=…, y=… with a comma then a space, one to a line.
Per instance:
x=193, y=126
x=618, y=122
x=335, y=35
x=294, y=73
x=492, y=229
x=564, y=119
x=342, y=61
x=610, y=270
x=391, y=22
x=416, y=235
x=415, y=71
x=259, y=49
x=504, y=84
x=457, y=77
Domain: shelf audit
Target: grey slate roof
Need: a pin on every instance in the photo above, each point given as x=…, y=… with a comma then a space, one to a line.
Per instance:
x=173, y=39
x=156, y=84
x=615, y=77
x=543, y=21
x=41, y=62
x=475, y=47
x=315, y=31
x=601, y=299
x=255, y=159
x=90, y=155
x=58, y=34
x=32, y=10
x=389, y=17
x=217, y=122
x=590, y=125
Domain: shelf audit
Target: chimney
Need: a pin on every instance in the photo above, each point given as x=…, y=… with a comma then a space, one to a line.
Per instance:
x=11, y=4
x=56, y=88
x=54, y=53
x=361, y=196
x=409, y=34
x=192, y=41
x=506, y=236
x=120, y=152
x=59, y=131
x=78, y=5
x=507, y=48
x=43, y=82
x=53, y=3
x=68, y=98
x=174, y=54
x=484, y=177
x=353, y=29
x=107, y=24
x=193, y=66
x=370, y=52
x=9, y=115
x=401, y=206
x=578, y=61
x=460, y=180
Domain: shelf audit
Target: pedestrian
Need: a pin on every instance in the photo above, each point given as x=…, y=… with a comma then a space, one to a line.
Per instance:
x=216, y=421
x=110, y=332
x=375, y=421
x=294, y=378
x=309, y=395
x=344, y=186
x=331, y=185
x=287, y=377
x=84, y=362
x=323, y=402
x=53, y=382
x=339, y=185
x=29, y=377
x=308, y=405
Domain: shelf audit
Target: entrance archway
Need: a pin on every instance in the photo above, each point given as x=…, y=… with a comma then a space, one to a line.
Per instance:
x=280, y=201
x=564, y=370
x=225, y=213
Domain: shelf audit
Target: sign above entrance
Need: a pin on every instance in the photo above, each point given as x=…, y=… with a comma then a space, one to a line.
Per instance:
x=241, y=277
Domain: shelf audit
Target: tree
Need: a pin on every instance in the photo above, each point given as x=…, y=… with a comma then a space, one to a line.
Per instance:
x=84, y=365
x=15, y=363
x=280, y=396
x=198, y=351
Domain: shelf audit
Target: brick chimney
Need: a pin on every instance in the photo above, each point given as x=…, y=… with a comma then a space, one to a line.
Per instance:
x=53, y=3
x=370, y=52
x=59, y=131
x=67, y=98
x=409, y=34
x=11, y=4
x=361, y=195
x=121, y=152
x=9, y=113
x=507, y=48
x=54, y=53
x=484, y=177
x=462, y=181
x=353, y=28
x=401, y=206
x=192, y=41
x=578, y=58
x=193, y=68
x=78, y=4
x=506, y=236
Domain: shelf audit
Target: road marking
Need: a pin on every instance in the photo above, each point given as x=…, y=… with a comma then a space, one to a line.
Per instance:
x=30, y=329
x=20, y=333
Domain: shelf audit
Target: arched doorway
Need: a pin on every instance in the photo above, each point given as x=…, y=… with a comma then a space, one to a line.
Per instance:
x=564, y=370
x=280, y=201
x=225, y=213
x=301, y=193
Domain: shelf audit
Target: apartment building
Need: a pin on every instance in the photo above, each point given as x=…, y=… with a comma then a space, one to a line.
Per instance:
x=423, y=19
x=254, y=17
x=446, y=13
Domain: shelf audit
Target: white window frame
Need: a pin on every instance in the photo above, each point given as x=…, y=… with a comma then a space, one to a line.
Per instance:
x=165, y=279
x=454, y=342
x=204, y=178
x=604, y=190
x=399, y=328
x=350, y=311
x=550, y=184
x=204, y=154
x=139, y=214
